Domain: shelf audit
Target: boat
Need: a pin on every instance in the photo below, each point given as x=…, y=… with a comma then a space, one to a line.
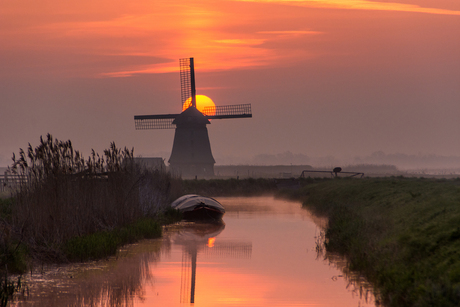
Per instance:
x=197, y=207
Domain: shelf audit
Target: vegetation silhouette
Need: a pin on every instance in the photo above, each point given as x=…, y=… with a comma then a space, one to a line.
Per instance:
x=68, y=208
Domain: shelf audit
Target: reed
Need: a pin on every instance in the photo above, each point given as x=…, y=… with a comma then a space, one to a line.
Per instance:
x=68, y=208
x=8, y=288
x=65, y=196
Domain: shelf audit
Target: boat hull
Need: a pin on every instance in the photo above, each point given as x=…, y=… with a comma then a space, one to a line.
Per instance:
x=196, y=207
x=202, y=212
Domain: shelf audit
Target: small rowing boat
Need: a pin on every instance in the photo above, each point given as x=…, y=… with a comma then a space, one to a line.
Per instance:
x=196, y=207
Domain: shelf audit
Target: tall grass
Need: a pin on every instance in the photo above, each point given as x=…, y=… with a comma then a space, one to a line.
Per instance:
x=66, y=196
x=66, y=207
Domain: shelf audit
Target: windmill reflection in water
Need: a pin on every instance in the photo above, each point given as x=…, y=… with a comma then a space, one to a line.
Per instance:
x=200, y=238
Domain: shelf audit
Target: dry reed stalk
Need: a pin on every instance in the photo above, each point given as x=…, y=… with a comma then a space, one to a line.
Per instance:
x=66, y=196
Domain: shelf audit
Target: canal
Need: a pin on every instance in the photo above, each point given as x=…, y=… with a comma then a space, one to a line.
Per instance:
x=264, y=253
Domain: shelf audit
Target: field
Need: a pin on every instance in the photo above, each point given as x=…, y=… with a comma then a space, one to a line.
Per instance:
x=402, y=234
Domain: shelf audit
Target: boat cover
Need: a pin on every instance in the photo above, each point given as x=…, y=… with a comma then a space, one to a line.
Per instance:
x=190, y=201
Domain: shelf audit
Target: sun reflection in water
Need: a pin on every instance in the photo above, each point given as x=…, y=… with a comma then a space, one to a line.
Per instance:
x=211, y=242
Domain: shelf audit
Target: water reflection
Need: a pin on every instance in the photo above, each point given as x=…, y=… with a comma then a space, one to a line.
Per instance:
x=200, y=238
x=356, y=283
x=113, y=282
x=264, y=255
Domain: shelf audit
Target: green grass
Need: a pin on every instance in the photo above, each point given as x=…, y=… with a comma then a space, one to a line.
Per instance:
x=6, y=205
x=106, y=243
x=170, y=216
x=403, y=234
x=228, y=187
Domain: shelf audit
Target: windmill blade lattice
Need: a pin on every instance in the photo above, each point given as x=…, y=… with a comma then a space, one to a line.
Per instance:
x=241, y=250
x=187, y=80
x=229, y=111
x=144, y=122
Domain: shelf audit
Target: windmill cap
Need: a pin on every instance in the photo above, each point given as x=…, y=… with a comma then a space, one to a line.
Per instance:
x=191, y=116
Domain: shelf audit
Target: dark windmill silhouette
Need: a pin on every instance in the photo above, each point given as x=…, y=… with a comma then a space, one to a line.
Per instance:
x=191, y=153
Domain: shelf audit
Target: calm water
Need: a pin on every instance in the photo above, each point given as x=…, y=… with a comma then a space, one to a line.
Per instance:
x=264, y=254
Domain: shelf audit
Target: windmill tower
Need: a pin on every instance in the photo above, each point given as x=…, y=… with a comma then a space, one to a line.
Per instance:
x=191, y=153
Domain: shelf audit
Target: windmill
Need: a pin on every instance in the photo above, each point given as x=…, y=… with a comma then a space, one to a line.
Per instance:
x=191, y=153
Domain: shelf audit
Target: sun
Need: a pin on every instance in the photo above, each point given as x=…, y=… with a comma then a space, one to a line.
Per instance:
x=202, y=102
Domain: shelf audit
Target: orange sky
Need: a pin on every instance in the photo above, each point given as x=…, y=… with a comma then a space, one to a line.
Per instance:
x=220, y=35
x=392, y=64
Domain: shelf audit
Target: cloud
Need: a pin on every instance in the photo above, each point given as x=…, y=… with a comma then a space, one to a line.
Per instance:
x=236, y=41
x=148, y=39
x=360, y=5
x=291, y=32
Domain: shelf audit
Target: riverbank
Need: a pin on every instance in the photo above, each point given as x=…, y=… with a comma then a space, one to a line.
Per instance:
x=65, y=208
x=403, y=234
x=228, y=187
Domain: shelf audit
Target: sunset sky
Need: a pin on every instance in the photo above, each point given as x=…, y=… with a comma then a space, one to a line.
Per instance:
x=342, y=78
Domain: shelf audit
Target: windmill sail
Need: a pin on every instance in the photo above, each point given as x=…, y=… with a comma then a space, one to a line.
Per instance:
x=187, y=80
x=165, y=121
x=160, y=121
x=229, y=111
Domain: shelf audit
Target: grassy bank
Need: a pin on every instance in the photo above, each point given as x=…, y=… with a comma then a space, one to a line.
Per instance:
x=105, y=243
x=228, y=187
x=402, y=234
